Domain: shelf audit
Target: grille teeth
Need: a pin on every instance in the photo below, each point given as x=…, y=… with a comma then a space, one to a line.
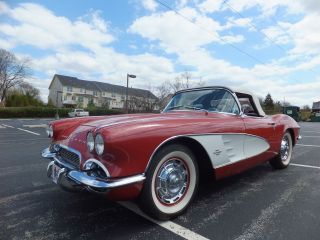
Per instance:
x=70, y=157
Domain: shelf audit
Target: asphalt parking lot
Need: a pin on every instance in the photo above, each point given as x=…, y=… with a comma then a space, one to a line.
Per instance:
x=261, y=203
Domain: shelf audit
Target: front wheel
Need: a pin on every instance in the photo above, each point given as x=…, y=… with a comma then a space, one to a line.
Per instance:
x=171, y=182
x=282, y=160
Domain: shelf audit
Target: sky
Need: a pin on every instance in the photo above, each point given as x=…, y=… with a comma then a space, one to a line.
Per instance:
x=262, y=46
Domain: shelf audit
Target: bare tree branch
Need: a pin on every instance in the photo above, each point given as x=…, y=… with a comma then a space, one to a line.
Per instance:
x=12, y=72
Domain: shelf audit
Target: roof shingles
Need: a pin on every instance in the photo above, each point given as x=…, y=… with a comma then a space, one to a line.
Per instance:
x=101, y=86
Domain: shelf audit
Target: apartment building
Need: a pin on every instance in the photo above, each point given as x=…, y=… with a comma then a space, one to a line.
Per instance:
x=73, y=92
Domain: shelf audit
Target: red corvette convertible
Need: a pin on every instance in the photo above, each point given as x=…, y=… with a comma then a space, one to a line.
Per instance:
x=159, y=158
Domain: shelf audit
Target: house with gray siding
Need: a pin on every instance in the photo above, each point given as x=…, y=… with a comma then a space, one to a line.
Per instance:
x=73, y=92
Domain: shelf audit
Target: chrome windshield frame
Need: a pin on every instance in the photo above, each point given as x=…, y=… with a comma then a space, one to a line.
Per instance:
x=233, y=94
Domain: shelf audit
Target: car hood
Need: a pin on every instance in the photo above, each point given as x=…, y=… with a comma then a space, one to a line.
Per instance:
x=132, y=119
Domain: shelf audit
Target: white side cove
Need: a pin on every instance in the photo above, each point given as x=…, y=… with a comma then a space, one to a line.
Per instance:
x=225, y=149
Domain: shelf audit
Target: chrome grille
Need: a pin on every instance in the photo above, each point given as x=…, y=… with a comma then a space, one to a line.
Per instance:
x=69, y=157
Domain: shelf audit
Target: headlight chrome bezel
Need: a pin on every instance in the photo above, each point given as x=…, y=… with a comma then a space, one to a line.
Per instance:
x=99, y=144
x=90, y=142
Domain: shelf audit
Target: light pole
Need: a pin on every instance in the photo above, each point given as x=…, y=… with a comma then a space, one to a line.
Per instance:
x=57, y=114
x=128, y=76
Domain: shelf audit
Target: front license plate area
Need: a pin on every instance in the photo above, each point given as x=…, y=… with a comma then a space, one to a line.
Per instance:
x=55, y=173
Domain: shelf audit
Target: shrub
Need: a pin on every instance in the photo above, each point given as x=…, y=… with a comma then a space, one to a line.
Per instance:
x=32, y=112
x=48, y=112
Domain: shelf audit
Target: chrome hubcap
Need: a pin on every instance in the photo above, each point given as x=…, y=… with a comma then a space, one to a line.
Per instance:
x=172, y=181
x=285, y=149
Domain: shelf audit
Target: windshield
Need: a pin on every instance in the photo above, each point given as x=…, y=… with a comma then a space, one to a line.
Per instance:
x=213, y=100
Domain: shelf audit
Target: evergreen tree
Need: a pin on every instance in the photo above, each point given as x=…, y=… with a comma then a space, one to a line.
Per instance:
x=268, y=102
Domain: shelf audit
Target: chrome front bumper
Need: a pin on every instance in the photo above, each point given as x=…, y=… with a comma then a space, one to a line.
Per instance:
x=72, y=179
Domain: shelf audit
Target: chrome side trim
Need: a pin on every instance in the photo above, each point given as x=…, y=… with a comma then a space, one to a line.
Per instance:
x=204, y=134
x=84, y=179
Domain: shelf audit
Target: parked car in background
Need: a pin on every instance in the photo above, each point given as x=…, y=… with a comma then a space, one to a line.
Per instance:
x=292, y=111
x=78, y=113
x=159, y=158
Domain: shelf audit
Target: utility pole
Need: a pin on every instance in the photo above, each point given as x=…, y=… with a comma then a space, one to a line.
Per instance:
x=128, y=76
x=57, y=114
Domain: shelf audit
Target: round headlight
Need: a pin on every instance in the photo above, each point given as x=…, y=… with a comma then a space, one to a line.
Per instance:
x=90, y=142
x=99, y=144
x=49, y=131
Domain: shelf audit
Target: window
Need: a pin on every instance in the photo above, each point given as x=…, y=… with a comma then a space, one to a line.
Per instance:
x=80, y=99
x=122, y=97
x=95, y=93
x=69, y=89
x=103, y=93
x=113, y=95
x=65, y=97
x=81, y=90
x=213, y=100
x=73, y=98
x=247, y=106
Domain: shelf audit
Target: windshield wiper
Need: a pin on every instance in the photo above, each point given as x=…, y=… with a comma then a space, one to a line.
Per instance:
x=187, y=107
x=195, y=108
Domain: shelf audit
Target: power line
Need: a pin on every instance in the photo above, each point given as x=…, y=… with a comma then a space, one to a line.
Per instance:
x=255, y=27
x=259, y=30
x=206, y=30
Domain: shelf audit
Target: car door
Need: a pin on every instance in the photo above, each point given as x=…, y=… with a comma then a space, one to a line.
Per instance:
x=264, y=128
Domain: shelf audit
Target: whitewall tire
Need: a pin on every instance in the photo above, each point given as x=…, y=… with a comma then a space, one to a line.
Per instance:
x=282, y=160
x=171, y=182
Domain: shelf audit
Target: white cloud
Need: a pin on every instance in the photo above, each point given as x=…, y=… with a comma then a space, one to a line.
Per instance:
x=175, y=35
x=53, y=31
x=3, y=8
x=210, y=6
x=166, y=32
x=175, y=32
x=238, y=22
x=149, y=5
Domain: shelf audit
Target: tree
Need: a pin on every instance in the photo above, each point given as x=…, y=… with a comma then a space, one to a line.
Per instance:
x=91, y=104
x=12, y=72
x=28, y=89
x=268, y=102
x=17, y=99
x=306, y=107
x=165, y=90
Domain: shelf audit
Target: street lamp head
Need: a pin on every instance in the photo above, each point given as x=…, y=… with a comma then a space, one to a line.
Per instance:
x=132, y=76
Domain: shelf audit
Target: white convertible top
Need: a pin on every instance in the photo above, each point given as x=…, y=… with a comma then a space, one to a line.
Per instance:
x=255, y=100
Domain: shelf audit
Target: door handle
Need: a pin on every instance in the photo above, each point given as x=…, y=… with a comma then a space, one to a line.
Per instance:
x=272, y=123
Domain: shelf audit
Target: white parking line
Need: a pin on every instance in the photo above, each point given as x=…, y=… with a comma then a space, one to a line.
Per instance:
x=36, y=126
x=7, y=126
x=309, y=132
x=311, y=136
x=29, y=131
x=171, y=226
x=306, y=166
x=307, y=145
